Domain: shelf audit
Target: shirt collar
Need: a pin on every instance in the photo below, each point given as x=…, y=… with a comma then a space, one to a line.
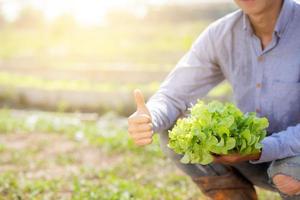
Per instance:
x=246, y=24
x=285, y=16
x=286, y=13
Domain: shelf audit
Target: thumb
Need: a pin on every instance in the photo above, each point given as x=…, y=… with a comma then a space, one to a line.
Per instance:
x=140, y=102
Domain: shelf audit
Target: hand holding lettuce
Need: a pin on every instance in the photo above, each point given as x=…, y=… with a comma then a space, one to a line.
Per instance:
x=216, y=128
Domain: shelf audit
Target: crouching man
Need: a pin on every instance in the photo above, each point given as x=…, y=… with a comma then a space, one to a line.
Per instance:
x=257, y=50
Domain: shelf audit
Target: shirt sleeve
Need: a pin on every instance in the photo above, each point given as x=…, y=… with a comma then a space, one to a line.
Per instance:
x=192, y=78
x=280, y=145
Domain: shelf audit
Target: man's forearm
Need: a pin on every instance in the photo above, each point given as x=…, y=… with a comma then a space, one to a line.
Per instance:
x=162, y=111
x=281, y=145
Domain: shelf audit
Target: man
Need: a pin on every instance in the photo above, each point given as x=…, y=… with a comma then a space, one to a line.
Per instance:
x=257, y=49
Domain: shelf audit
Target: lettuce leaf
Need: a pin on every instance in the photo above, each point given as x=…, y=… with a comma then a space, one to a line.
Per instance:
x=216, y=128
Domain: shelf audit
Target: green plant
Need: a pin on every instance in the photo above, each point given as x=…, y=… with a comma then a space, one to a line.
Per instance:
x=216, y=128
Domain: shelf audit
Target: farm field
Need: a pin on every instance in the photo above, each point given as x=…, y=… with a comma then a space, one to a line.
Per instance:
x=76, y=156
x=66, y=92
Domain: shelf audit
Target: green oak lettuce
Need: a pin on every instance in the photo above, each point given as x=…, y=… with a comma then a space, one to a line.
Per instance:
x=216, y=128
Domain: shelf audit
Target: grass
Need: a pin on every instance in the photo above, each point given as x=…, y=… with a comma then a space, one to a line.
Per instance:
x=159, y=44
x=147, y=46
x=25, y=81
x=59, y=156
x=113, y=171
x=17, y=91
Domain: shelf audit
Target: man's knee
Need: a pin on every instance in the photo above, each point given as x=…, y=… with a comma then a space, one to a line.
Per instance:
x=286, y=184
x=285, y=175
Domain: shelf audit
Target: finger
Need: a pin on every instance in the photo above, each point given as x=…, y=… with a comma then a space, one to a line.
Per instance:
x=140, y=128
x=143, y=142
x=228, y=159
x=139, y=119
x=225, y=159
x=140, y=101
x=143, y=135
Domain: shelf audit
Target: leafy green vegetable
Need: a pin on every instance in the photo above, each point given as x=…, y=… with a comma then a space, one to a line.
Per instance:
x=216, y=128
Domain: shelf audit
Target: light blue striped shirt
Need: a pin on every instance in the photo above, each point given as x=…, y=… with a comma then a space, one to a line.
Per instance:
x=264, y=81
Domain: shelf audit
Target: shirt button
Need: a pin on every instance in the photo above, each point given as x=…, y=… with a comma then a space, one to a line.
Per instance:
x=257, y=110
x=260, y=58
x=258, y=85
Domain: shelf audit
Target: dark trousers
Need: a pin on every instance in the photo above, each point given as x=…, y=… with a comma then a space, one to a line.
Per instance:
x=258, y=174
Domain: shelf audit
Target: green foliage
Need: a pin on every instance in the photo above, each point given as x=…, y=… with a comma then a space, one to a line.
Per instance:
x=123, y=175
x=216, y=128
x=154, y=46
x=39, y=168
x=24, y=81
x=107, y=131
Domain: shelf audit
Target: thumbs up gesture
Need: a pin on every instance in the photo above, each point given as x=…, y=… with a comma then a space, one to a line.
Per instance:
x=140, y=126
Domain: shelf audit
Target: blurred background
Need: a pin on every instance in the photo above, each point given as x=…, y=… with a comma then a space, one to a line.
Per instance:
x=67, y=72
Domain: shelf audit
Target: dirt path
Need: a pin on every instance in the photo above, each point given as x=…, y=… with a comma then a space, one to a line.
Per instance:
x=49, y=156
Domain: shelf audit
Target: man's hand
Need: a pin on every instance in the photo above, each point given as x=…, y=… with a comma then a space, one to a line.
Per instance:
x=140, y=126
x=235, y=158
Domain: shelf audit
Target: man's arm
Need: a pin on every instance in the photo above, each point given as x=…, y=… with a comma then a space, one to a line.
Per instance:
x=281, y=145
x=276, y=146
x=195, y=74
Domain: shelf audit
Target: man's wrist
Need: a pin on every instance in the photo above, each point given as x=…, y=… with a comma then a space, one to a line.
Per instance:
x=255, y=157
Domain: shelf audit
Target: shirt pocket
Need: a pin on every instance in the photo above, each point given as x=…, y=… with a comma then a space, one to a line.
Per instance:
x=285, y=104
